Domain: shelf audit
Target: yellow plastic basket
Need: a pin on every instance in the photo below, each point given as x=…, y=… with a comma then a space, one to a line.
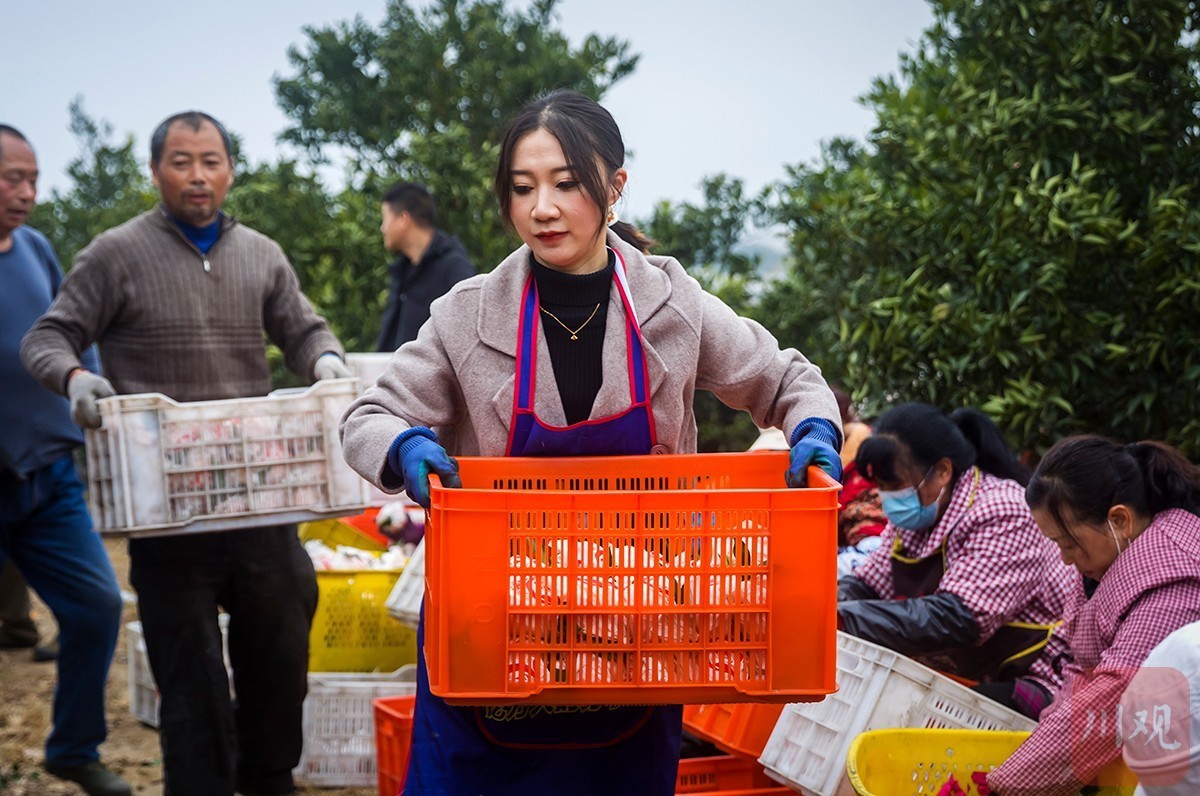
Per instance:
x=918, y=762
x=352, y=630
x=338, y=532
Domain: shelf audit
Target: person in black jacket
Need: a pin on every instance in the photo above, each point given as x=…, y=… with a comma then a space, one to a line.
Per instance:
x=428, y=263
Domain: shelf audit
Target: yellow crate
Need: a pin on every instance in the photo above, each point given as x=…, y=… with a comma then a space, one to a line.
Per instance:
x=338, y=532
x=352, y=630
x=912, y=762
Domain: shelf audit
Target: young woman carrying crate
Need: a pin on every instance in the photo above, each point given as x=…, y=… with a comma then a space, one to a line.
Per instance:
x=627, y=339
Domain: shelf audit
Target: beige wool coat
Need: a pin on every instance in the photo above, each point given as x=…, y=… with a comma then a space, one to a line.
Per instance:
x=459, y=375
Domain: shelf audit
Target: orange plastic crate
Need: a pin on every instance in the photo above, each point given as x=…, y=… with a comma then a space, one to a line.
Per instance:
x=631, y=580
x=740, y=729
x=710, y=776
x=723, y=775
x=365, y=523
x=393, y=737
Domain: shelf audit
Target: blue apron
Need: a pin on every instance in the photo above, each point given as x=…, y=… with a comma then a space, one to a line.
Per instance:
x=578, y=751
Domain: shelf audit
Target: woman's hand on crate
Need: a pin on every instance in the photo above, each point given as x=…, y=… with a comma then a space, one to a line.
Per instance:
x=85, y=388
x=814, y=442
x=415, y=454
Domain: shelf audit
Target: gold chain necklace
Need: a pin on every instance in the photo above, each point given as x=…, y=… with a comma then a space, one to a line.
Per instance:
x=574, y=332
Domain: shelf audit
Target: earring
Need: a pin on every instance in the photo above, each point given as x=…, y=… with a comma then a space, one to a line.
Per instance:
x=612, y=215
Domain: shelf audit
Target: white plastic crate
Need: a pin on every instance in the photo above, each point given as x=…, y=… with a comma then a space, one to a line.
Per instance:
x=159, y=467
x=143, y=693
x=368, y=367
x=404, y=603
x=339, y=725
x=877, y=689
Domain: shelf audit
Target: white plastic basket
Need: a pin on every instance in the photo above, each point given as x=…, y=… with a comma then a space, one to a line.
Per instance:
x=339, y=725
x=143, y=693
x=159, y=467
x=368, y=367
x=404, y=603
x=877, y=689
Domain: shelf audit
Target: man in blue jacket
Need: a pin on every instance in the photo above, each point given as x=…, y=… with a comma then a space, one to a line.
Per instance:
x=44, y=525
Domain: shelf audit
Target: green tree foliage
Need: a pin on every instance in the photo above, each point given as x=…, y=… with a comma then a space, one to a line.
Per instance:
x=1020, y=231
x=109, y=187
x=425, y=97
x=705, y=239
x=332, y=241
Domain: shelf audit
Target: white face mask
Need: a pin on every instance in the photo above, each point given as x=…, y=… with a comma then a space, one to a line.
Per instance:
x=1116, y=540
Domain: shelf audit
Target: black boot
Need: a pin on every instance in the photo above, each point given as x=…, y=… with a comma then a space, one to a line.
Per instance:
x=44, y=653
x=93, y=777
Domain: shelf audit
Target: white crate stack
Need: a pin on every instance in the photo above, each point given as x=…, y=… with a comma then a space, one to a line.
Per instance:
x=338, y=723
x=877, y=689
x=143, y=693
x=404, y=602
x=159, y=467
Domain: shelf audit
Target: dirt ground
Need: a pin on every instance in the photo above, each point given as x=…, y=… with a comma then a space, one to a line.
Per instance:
x=132, y=750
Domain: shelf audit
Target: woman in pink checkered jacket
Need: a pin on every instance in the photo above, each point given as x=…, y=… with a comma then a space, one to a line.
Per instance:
x=963, y=580
x=1126, y=517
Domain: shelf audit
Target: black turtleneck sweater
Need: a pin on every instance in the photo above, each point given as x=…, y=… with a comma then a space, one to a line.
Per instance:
x=577, y=363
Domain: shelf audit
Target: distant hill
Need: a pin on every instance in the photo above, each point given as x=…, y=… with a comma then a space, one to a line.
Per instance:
x=767, y=244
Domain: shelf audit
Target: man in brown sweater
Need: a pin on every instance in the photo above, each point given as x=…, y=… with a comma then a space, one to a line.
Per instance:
x=178, y=299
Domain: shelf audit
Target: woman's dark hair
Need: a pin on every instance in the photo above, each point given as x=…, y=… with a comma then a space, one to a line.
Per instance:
x=591, y=142
x=1081, y=478
x=845, y=405
x=633, y=236
x=920, y=434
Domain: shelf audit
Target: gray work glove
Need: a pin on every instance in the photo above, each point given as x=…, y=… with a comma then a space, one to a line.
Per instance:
x=331, y=366
x=84, y=389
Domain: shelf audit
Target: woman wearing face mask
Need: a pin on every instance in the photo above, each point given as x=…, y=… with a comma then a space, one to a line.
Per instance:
x=1125, y=516
x=963, y=579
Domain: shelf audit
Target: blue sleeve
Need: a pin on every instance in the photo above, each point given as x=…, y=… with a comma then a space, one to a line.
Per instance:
x=91, y=360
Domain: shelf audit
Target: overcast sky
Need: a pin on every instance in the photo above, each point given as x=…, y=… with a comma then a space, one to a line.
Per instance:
x=736, y=87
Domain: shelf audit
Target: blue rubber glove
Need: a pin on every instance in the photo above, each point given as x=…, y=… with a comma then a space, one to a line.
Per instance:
x=814, y=442
x=414, y=455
